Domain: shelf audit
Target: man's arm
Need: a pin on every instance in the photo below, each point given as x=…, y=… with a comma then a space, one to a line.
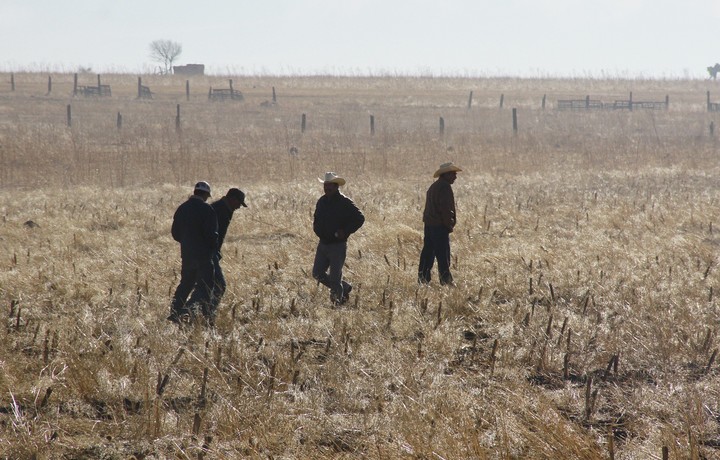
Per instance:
x=446, y=206
x=210, y=228
x=175, y=229
x=356, y=219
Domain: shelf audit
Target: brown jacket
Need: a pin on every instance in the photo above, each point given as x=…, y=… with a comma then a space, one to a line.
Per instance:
x=440, y=205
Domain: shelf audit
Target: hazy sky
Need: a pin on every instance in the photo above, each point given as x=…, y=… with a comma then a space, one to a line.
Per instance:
x=535, y=38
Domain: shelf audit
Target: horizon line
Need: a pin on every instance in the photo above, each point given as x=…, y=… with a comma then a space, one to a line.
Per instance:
x=422, y=72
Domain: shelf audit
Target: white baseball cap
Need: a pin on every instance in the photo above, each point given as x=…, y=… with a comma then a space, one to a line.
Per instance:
x=203, y=187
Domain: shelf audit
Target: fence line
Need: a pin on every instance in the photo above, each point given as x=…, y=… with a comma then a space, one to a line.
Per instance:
x=233, y=94
x=586, y=103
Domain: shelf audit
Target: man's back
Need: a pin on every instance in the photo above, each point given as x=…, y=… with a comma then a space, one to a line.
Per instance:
x=333, y=213
x=195, y=228
x=224, y=215
x=440, y=205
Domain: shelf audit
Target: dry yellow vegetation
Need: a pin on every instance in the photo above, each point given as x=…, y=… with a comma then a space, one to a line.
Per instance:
x=584, y=323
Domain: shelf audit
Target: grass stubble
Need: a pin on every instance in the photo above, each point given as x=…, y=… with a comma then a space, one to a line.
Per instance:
x=584, y=323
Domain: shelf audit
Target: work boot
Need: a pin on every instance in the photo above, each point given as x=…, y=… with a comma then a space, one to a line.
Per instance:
x=346, y=294
x=181, y=319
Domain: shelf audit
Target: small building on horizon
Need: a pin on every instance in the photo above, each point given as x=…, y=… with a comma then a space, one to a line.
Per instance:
x=189, y=69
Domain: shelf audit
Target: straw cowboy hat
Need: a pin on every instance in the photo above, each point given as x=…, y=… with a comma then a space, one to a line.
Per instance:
x=446, y=168
x=332, y=177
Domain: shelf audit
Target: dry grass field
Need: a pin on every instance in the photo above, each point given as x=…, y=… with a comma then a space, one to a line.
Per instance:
x=584, y=324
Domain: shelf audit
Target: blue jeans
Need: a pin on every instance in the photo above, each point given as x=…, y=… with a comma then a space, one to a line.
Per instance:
x=436, y=245
x=196, y=277
x=327, y=269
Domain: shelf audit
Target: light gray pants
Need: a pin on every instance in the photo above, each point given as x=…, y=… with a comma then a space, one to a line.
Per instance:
x=327, y=269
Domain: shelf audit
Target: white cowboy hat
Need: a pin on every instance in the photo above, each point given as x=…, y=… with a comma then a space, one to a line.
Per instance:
x=332, y=177
x=446, y=168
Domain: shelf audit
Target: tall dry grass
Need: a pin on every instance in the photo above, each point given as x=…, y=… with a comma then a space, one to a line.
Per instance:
x=583, y=324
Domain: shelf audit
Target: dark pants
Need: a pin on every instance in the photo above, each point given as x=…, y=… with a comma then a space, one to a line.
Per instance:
x=436, y=245
x=196, y=277
x=327, y=269
x=219, y=286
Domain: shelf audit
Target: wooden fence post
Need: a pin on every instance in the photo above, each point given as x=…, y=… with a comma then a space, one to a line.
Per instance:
x=12, y=83
x=119, y=121
x=177, y=119
x=372, y=124
x=274, y=99
x=210, y=94
x=502, y=99
x=665, y=453
x=139, y=87
x=667, y=101
x=514, y=118
x=232, y=93
x=470, y=100
x=587, y=101
x=187, y=90
x=543, y=101
x=630, y=101
x=708, y=101
x=49, y=84
x=442, y=126
x=75, y=85
x=302, y=123
x=69, y=115
x=98, y=84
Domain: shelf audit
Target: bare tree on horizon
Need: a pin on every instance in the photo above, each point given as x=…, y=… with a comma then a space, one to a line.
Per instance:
x=165, y=52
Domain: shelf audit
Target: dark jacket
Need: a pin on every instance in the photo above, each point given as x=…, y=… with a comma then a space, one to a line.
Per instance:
x=440, y=205
x=195, y=228
x=224, y=216
x=334, y=213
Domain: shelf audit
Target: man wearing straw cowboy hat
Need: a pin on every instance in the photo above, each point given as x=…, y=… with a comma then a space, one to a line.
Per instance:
x=336, y=218
x=439, y=219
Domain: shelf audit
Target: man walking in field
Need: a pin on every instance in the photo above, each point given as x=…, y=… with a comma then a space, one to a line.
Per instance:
x=439, y=218
x=336, y=218
x=195, y=227
x=224, y=209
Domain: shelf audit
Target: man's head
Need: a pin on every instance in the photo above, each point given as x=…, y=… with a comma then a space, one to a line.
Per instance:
x=447, y=172
x=449, y=177
x=235, y=198
x=330, y=188
x=331, y=183
x=202, y=189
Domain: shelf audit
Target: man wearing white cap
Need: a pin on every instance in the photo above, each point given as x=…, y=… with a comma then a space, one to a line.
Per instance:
x=439, y=219
x=195, y=227
x=336, y=218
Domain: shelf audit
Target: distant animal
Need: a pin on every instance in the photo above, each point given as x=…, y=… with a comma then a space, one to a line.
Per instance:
x=713, y=71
